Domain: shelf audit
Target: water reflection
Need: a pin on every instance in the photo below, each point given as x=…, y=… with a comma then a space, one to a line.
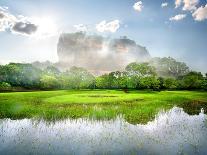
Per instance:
x=173, y=132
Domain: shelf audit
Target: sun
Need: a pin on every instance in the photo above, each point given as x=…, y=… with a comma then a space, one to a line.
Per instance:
x=46, y=27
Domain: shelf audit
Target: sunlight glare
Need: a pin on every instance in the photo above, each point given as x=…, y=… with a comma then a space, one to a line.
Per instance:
x=46, y=27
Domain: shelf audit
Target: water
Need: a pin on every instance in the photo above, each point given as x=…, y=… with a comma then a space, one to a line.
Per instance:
x=172, y=132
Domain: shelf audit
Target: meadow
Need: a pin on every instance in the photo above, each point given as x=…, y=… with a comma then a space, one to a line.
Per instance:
x=134, y=106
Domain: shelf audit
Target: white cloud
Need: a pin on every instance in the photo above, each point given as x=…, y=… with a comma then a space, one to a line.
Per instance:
x=81, y=27
x=3, y=8
x=15, y=24
x=138, y=6
x=164, y=4
x=190, y=4
x=178, y=17
x=201, y=13
x=21, y=25
x=112, y=26
x=6, y=19
x=178, y=3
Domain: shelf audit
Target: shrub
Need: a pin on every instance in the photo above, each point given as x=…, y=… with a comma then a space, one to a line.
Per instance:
x=150, y=83
x=170, y=83
x=5, y=86
x=49, y=82
x=204, y=84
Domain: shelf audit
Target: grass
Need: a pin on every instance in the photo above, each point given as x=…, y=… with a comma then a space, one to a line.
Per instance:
x=134, y=106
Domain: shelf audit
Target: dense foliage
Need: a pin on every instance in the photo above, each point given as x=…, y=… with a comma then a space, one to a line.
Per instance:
x=159, y=73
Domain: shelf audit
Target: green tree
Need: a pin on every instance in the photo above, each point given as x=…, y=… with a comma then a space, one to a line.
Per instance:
x=104, y=81
x=170, y=83
x=204, y=84
x=5, y=86
x=78, y=77
x=117, y=79
x=49, y=82
x=192, y=80
x=138, y=71
x=122, y=79
x=52, y=70
x=161, y=82
x=24, y=75
x=150, y=82
x=169, y=67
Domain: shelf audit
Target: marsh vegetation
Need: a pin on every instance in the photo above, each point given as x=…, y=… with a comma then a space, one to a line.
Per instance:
x=134, y=106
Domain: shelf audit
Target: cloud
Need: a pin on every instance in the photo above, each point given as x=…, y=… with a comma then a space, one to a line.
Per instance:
x=198, y=14
x=1, y=15
x=6, y=19
x=190, y=4
x=138, y=6
x=112, y=26
x=201, y=13
x=81, y=27
x=27, y=26
x=178, y=3
x=24, y=28
x=164, y=4
x=15, y=24
x=178, y=17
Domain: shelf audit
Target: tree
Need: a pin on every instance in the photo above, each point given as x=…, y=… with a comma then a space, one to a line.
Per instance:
x=51, y=70
x=170, y=83
x=150, y=82
x=169, y=67
x=137, y=71
x=192, y=80
x=204, y=84
x=140, y=69
x=122, y=79
x=49, y=82
x=117, y=79
x=78, y=77
x=161, y=82
x=24, y=75
x=5, y=86
x=103, y=81
x=136, y=76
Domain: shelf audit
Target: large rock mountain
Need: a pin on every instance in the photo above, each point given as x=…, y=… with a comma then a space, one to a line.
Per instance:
x=98, y=54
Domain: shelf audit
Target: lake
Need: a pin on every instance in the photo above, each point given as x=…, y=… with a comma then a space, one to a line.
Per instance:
x=172, y=132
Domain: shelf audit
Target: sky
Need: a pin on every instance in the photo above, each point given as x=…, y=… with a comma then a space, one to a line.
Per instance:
x=29, y=29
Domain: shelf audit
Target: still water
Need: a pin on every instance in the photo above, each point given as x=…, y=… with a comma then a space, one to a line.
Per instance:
x=172, y=132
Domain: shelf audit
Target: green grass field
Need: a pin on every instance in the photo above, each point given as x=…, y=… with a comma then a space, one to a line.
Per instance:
x=134, y=106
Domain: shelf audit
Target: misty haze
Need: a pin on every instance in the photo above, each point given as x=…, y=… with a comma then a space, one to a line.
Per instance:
x=97, y=53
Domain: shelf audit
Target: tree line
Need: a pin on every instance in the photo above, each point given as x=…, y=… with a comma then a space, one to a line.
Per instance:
x=157, y=74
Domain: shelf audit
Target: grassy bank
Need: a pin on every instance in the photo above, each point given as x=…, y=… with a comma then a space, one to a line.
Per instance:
x=134, y=106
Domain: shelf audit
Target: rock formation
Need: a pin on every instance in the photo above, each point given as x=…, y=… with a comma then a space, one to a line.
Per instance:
x=98, y=54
